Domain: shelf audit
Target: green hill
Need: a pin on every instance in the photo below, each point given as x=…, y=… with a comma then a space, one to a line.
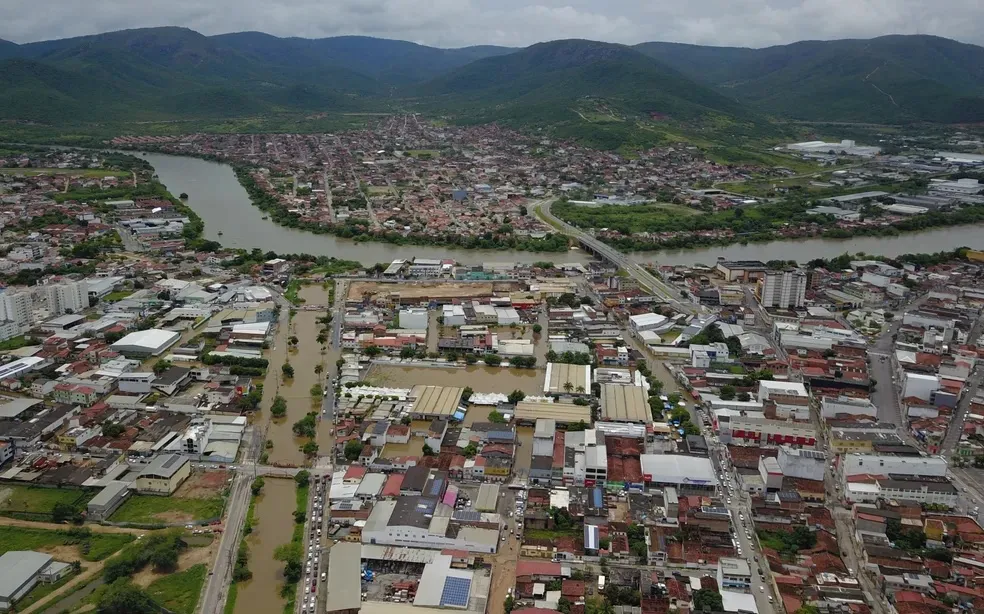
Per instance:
x=886, y=79
x=549, y=80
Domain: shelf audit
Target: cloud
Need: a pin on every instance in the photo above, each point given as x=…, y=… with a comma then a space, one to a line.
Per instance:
x=451, y=23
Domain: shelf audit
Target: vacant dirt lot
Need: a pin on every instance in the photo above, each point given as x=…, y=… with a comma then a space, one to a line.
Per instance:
x=203, y=485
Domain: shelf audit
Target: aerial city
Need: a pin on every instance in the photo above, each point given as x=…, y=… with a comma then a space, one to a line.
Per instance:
x=534, y=314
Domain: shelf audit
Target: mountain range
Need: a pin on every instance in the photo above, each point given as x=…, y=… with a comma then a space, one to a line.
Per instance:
x=175, y=73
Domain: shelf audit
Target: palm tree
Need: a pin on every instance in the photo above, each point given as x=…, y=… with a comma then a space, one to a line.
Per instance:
x=580, y=389
x=568, y=386
x=321, y=338
x=319, y=369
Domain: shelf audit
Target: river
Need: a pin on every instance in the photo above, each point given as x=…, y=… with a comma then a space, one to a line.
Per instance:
x=223, y=204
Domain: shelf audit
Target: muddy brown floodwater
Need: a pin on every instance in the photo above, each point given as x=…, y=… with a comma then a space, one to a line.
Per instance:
x=297, y=390
x=479, y=378
x=272, y=526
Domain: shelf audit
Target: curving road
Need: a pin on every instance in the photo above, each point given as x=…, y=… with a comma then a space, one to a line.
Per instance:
x=634, y=269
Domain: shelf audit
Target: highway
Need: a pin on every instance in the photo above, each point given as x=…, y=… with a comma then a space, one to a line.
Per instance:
x=634, y=269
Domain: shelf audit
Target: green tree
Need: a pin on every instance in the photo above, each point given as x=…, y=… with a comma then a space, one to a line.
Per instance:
x=293, y=340
x=302, y=478
x=319, y=369
x=727, y=392
x=161, y=366
x=705, y=599
x=287, y=370
x=427, y=450
x=537, y=329
x=510, y=604
x=316, y=391
x=278, y=409
x=372, y=351
x=470, y=450
x=321, y=338
x=516, y=396
x=123, y=597
x=496, y=417
x=66, y=512
x=467, y=393
x=112, y=429
x=353, y=448
x=310, y=448
x=492, y=360
x=568, y=387
x=257, y=486
x=744, y=397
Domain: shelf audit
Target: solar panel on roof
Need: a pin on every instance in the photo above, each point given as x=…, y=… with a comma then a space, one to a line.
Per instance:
x=455, y=592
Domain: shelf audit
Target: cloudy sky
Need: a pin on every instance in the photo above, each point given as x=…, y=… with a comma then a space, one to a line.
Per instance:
x=452, y=23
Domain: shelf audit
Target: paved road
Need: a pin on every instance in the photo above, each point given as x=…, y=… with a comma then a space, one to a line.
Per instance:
x=220, y=576
x=634, y=269
x=966, y=395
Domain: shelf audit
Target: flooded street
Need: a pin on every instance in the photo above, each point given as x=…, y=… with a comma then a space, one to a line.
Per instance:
x=297, y=391
x=272, y=526
x=479, y=377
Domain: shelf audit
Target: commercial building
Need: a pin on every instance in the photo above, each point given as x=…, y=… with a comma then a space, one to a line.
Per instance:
x=782, y=289
x=802, y=464
x=107, y=501
x=919, y=488
x=435, y=401
x=562, y=378
x=528, y=412
x=21, y=570
x=410, y=521
x=767, y=388
x=150, y=342
x=344, y=578
x=163, y=475
x=734, y=574
x=741, y=270
x=762, y=431
x=543, y=437
x=620, y=403
x=688, y=474
x=71, y=297
x=413, y=318
x=886, y=464
x=832, y=407
x=646, y=321
x=845, y=147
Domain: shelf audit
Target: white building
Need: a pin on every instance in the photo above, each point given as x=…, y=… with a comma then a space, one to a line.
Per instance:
x=831, y=407
x=919, y=385
x=543, y=437
x=454, y=315
x=884, y=464
x=16, y=307
x=414, y=318
x=770, y=387
x=920, y=489
x=646, y=321
x=411, y=522
x=734, y=574
x=71, y=297
x=803, y=464
x=150, y=342
x=784, y=289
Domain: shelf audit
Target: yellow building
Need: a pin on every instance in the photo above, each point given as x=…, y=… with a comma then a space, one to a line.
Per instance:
x=847, y=442
x=163, y=475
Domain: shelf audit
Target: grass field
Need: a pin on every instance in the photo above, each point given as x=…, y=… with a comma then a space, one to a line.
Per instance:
x=179, y=592
x=117, y=296
x=30, y=500
x=101, y=545
x=148, y=509
x=85, y=172
x=416, y=153
x=669, y=208
x=14, y=343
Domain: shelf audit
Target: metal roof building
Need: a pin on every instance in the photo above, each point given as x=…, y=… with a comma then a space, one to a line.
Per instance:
x=151, y=342
x=620, y=403
x=527, y=412
x=559, y=374
x=435, y=400
x=19, y=572
x=344, y=579
x=488, y=498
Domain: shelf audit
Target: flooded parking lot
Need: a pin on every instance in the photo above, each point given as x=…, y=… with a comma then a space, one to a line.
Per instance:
x=479, y=377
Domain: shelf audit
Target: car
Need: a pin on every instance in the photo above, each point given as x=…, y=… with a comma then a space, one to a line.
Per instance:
x=503, y=538
x=770, y=598
x=761, y=588
x=729, y=500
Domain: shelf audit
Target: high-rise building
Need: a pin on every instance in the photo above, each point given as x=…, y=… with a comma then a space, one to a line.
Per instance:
x=15, y=310
x=68, y=297
x=783, y=289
